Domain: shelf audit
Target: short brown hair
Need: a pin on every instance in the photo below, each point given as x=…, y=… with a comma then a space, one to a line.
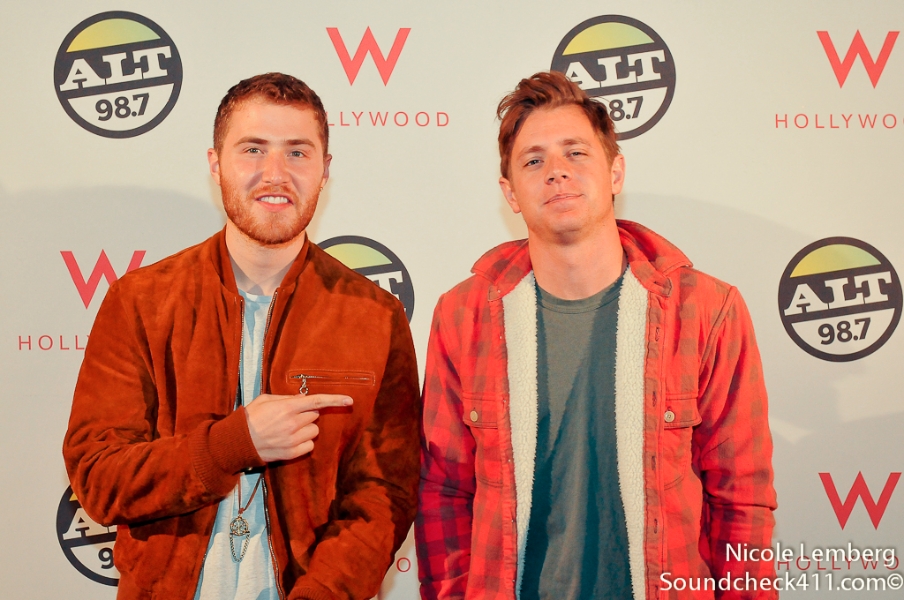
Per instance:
x=549, y=89
x=277, y=88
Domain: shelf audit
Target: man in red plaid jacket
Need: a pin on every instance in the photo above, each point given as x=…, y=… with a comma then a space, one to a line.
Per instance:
x=690, y=443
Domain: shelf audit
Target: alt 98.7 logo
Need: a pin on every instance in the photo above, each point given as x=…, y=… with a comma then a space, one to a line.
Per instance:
x=117, y=74
x=376, y=262
x=625, y=65
x=87, y=544
x=840, y=299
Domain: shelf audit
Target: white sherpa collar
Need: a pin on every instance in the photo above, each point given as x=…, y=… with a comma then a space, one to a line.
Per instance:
x=520, y=320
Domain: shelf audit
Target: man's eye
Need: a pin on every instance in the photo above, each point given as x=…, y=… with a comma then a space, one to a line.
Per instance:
x=253, y=150
x=296, y=153
x=532, y=162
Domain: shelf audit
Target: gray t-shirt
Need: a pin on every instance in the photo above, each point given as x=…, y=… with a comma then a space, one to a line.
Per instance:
x=251, y=578
x=577, y=542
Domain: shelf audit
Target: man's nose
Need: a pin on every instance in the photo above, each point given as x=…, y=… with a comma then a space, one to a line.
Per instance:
x=275, y=168
x=558, y=169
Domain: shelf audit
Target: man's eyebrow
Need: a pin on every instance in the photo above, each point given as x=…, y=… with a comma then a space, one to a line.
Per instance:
x=300, y=142
x=531, y=150
x=566, y=142
x=250, y=139
x=574, y=141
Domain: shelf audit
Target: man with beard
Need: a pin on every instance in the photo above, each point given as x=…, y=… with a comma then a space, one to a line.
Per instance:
x=246, y=412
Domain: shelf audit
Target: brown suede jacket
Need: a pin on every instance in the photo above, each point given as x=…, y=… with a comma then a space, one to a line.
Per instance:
x=154, y=443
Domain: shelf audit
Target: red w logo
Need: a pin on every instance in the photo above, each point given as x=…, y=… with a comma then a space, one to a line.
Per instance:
x=875, y=509
x=368, y=44
x=102, y=268
x=858, y=47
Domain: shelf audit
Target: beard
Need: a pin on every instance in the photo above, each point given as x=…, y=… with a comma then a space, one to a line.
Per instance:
x=266, y=228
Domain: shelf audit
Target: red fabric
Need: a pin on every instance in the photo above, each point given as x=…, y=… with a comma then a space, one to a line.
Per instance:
x=154, y=443
x=707, y=473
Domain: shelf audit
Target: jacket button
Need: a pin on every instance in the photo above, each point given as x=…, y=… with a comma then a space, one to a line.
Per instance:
x=474, y=416
x=669, y=416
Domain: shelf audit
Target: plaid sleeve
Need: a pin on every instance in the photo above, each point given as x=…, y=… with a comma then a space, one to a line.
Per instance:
x=443, y=523
x=734, y=448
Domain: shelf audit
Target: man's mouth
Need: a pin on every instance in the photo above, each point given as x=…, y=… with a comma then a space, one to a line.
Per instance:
x=273, y=199
x=558, y=197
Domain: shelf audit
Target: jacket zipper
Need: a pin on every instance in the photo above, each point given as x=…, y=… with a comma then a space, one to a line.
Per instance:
x=239, y=391
x=238, y=388
x=206, y=552
x=279, y=589
x=303, y=389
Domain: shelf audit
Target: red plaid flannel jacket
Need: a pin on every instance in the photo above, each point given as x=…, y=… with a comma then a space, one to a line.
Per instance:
x=706, y=446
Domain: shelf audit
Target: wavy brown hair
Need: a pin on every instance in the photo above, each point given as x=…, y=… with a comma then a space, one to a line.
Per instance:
x=547, y=90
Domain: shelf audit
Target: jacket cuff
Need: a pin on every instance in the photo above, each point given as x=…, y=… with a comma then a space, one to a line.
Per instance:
x=312, y=592
x=223, y=449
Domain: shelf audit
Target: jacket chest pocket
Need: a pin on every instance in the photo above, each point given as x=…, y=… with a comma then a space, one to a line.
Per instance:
x=481, y=415
x=679, y=415
x=329, y=381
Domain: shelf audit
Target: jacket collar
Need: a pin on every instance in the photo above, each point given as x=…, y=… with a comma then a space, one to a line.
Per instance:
x=219, y=257
x=650, y=256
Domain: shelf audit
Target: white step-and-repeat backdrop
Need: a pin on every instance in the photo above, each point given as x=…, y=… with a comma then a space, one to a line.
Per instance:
x=765, y=139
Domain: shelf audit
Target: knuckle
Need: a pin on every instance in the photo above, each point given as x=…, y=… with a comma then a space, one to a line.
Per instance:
x=304, y=434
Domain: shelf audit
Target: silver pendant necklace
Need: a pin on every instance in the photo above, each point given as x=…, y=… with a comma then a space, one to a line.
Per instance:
x=238, y=527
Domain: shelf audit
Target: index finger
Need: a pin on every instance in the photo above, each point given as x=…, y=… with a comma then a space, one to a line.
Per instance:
x=318, y=401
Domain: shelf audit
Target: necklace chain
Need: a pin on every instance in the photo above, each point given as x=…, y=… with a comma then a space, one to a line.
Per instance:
x=238, y=527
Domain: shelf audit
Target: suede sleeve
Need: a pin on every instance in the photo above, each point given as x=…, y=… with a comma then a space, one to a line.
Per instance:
x=121, y=467
x=376, y=487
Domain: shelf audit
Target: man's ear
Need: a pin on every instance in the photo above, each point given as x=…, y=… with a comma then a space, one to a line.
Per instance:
x=617, y=174
x=213, y=160
x=509, y=194
x=326, y=169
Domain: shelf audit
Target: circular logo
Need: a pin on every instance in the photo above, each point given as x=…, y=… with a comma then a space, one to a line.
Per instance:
x=87, y=544
x=117, y=74
x=624, y=64
x=840, y=299
x=376, y=262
